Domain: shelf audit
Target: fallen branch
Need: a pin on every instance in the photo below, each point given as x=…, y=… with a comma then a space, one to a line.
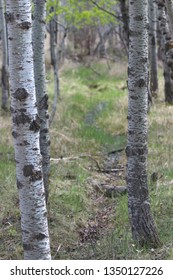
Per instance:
x=111, y=170
x=56, y=160
x=101, y=170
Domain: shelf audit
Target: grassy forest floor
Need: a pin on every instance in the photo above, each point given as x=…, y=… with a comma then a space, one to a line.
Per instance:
x=88, y=137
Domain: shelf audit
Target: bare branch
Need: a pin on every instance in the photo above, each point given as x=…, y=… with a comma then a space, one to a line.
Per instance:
x=104, y=10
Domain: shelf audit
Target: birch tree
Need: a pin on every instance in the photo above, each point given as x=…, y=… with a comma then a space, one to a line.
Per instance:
x=41, y=96
x=153, y=47
x=25, y=131
x=125, y=19
x=54, y=61
x=4, y=74
x=166, y=51
x=169, y=5
x=142, y=223
x=169, y=43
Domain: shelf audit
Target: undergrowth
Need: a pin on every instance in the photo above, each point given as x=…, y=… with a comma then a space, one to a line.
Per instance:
x=89, y=128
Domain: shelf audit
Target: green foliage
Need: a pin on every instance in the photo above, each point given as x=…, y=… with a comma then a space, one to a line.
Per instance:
x=82, y=13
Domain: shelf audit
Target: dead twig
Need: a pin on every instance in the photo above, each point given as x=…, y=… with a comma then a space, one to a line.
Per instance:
x=94, y=70
x=111, y=170
x=57, y=251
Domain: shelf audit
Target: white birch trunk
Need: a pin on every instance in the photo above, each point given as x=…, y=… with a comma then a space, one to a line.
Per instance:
x=41, y=96
x=143, y=228
x=4, y=74
x=25, y=132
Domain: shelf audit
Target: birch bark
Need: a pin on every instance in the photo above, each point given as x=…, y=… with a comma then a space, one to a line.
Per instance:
x=169, y=6
x=26, y=126
x=165, y=51
x=153, y=47
x=38, y=32
x=142, y=223
x=125, y=18
x=54, y=63
x=5, y=74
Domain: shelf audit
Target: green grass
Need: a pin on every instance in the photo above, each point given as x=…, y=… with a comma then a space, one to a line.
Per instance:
x=90, y=122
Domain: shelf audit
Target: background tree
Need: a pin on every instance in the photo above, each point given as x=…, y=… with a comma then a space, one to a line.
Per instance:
x=4, y=74
x=169, y=5
x=26, y=126
x=125, y=19
x=53, y=29
x=152, y=7
x=165, y=42
x=85, y=19
x=40, y=87
x=142, y=223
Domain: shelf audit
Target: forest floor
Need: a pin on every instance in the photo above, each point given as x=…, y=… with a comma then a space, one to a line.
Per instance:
x=87, y=209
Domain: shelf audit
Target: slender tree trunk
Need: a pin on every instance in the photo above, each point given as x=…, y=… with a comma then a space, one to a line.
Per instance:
x=153, y=47
x=166, y=49
x=62, y=31
x=103, y=37
x=41, y=96
x=169, y=6
x=26, y=126
x=125, y=19
x=54, y=63
x=142, y=223
x=61, y=52
x=101, y=49
x=5, y=74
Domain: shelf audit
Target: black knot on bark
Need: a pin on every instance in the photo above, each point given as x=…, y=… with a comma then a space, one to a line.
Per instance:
x=139, y=18
x=40, y=236
x=27, y=247
x=21, y=94
x=19, y=185
x=9, y=17
x=27, y=170
x=21, y=119
x=25, y=25
x=144, y=60
x=132, y=151
x=140, y=83
x=14, y=134
x=35, y=125
x=36, y=175
x=43, y=104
